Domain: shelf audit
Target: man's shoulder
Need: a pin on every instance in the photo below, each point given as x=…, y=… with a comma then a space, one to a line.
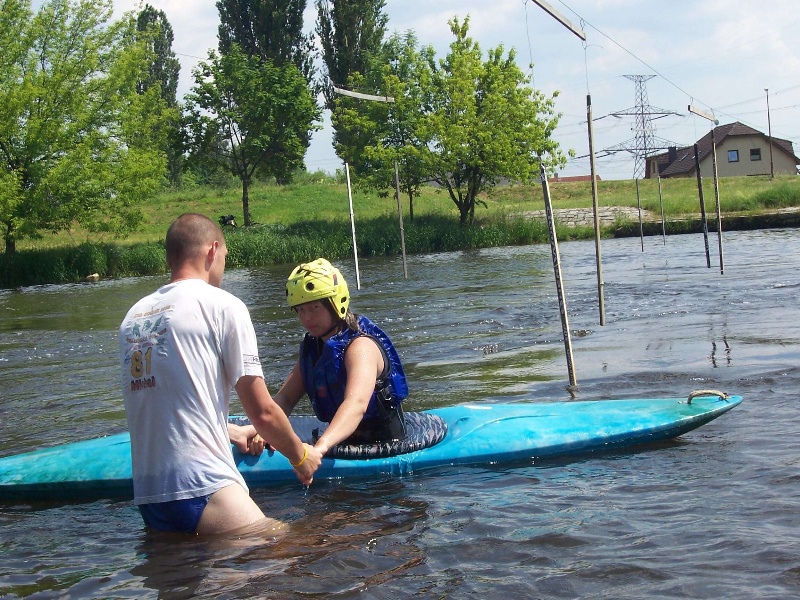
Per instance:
x=194, y=292
x=203, y=291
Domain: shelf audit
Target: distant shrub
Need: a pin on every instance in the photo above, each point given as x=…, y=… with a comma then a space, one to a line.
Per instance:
x=781, y=195
x=142, y=259
x=88, y=259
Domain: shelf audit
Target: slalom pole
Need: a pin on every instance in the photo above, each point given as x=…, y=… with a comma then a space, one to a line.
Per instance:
x=597, y=252
x=639, y=204
x=716, y=200
x=400, y=216
x=702, y=203
x=562, y=301
x=661, y=202
x=352, y=224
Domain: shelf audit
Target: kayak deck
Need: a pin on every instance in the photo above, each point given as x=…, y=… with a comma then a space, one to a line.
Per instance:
x=476, y=434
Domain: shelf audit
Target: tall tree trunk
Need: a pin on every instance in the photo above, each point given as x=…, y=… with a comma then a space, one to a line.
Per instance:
x=11, y=243
x=463, y=211
x=246, y=200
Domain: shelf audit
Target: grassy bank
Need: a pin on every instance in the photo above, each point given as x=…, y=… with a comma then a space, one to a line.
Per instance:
x=312, y=218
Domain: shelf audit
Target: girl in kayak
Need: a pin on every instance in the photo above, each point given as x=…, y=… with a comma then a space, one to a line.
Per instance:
x=347, y=365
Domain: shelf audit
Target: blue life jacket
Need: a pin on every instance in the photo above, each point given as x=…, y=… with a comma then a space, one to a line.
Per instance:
x=325, y=377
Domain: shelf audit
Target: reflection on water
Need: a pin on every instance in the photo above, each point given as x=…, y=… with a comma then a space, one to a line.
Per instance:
x=712, y=514
x=334, y=544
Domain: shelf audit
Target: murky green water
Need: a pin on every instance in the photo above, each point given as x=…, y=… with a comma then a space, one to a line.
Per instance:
x=711, y=515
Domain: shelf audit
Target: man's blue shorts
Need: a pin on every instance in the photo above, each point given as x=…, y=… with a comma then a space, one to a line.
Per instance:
x=177, y=515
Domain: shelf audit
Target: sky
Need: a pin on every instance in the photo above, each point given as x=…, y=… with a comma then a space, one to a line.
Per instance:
x=720, y=56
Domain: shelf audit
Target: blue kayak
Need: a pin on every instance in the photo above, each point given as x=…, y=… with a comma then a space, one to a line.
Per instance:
x=469, y=434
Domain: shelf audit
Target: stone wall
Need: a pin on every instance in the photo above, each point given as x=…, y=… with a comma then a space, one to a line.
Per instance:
x=624, y=220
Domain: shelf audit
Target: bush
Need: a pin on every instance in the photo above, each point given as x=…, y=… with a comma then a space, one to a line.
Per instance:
x=89, y=258
x=782, y=195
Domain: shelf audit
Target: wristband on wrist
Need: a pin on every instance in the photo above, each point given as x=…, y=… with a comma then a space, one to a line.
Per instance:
x=302, y=460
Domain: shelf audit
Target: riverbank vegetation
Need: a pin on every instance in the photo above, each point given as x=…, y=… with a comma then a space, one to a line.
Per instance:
x=311, y=218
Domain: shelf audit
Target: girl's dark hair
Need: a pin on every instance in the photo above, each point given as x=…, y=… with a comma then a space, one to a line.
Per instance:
x=350, y=319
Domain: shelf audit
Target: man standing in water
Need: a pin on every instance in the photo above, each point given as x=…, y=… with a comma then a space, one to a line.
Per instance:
x=182, y=349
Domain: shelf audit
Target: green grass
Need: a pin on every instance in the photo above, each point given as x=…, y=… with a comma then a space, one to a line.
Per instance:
x=680, y=196
x=311, y=218
x=326, y=201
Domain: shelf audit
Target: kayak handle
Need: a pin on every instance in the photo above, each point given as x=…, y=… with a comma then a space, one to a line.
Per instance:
x=697, y=393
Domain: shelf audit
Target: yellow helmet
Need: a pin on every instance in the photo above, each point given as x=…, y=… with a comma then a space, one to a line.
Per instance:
x=317, y=280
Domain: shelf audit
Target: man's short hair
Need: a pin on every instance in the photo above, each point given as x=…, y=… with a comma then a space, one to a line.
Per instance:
x=187, y=236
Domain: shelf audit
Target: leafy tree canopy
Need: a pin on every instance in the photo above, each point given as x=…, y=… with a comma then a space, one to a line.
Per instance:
x=271, y=29
x=78, y=144
x=375, y=137
x=485, y=124
x=256, y=116
x=163, y=71
x=462, y=122
x=351, y=34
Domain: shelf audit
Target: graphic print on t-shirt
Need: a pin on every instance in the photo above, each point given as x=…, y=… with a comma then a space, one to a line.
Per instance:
x=146, y=332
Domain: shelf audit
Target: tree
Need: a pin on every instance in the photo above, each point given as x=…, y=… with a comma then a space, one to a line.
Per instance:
x=78, y=144
x=374, y=137
x=484, y=124
x=461, y=123
x=263, y=112
x=271, y=29
x=163, y=71
x=350, y=32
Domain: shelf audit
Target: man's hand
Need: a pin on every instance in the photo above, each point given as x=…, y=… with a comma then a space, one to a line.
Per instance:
x=306, y=468
x=246, y=439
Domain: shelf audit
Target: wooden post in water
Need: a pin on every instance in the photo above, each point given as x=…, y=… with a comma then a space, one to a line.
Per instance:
x=352, y=224
x=639, y=204
x=661, y=202
x=562, y=301
x=400, y=216
x=600, y=294
x=702, y=203
x=716, y=200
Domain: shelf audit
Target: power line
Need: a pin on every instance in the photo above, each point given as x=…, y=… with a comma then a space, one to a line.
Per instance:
x=620, y=46
x=659, y=73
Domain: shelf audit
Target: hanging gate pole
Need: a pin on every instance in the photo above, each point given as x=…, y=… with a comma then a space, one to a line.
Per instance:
x=716, y=200
x=661, y=202
x=639, y=204
x=600, y=285
x=562, y=301
x=715, y=121
x=400, y=216
x=352, y=224
x=702, y=203
x=390, y=100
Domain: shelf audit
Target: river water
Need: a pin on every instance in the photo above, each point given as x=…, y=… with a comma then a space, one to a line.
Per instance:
x=713, y=514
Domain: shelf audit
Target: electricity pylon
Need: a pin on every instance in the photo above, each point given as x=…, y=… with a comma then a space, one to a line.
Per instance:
x=644, y=142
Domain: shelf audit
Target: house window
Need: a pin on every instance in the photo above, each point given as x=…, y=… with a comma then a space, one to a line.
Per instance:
x=755, y=153
x=733, y=156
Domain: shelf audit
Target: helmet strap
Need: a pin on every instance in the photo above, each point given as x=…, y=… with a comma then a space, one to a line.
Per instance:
x=337, y=320
x=331, y=330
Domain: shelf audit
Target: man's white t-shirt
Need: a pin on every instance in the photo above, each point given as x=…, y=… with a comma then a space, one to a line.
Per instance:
x=182, y=350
